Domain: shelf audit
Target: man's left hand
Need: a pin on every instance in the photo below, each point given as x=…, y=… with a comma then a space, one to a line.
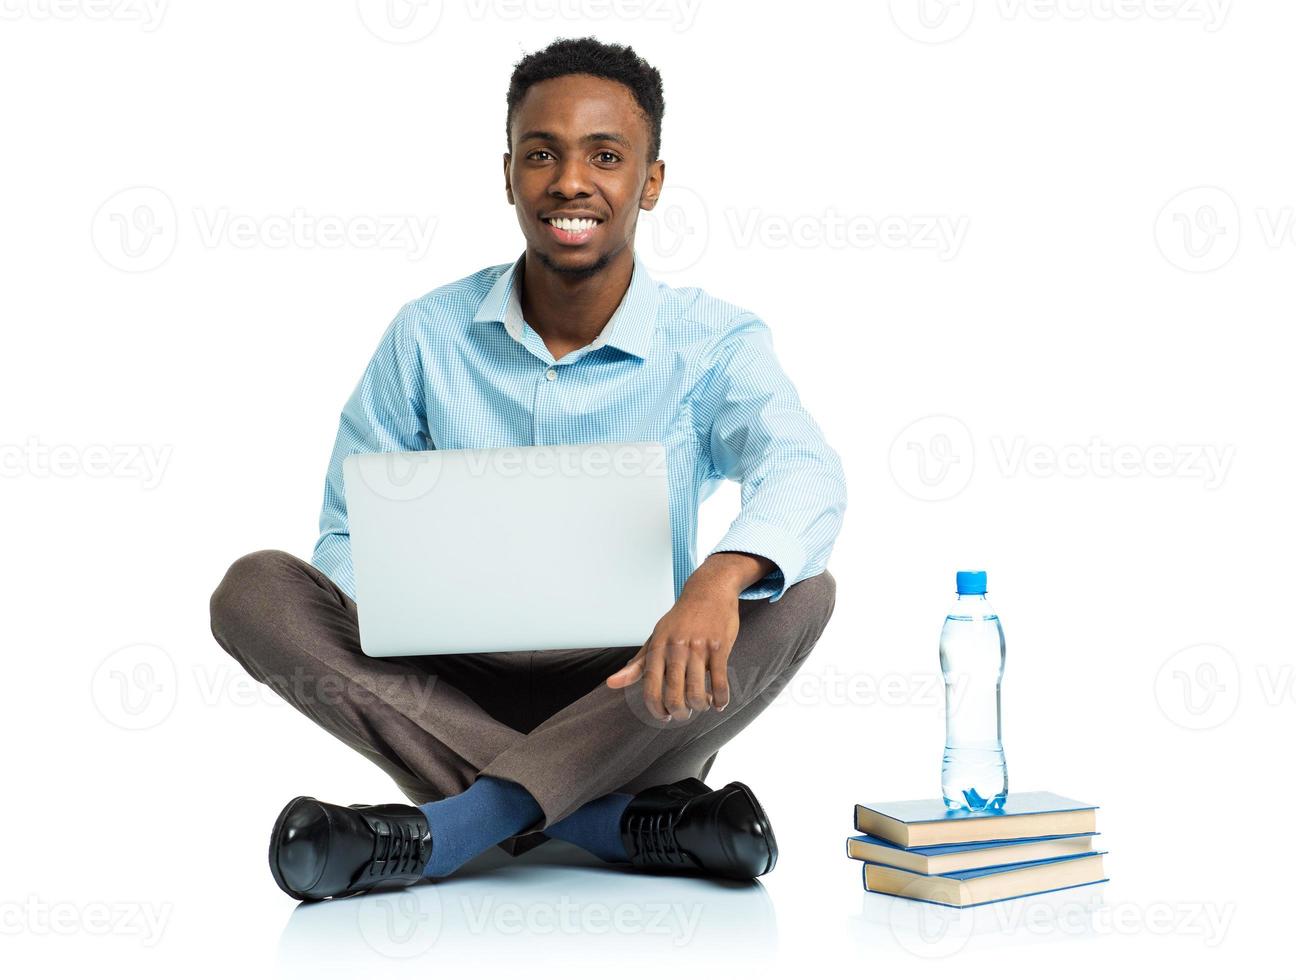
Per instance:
x=690, y=644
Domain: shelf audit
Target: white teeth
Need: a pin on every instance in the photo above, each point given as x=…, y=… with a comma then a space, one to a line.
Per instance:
x=573, y=224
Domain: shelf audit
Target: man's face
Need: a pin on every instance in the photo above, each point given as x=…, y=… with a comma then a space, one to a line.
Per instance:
x=580, y=148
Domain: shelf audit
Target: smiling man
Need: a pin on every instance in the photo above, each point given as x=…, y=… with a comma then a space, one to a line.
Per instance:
x=572, y=343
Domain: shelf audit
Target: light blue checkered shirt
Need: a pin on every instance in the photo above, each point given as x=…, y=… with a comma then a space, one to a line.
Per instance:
x=459, y=368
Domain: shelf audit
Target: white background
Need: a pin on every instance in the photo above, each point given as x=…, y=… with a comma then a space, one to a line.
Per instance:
x=1078, y=381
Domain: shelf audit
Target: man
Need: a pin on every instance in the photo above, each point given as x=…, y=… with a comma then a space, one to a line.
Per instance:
x=572, y=343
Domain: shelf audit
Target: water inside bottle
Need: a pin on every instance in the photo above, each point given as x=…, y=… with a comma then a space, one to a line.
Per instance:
x=974, y=773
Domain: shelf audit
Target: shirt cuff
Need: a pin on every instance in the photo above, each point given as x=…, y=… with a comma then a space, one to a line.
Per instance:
x=769, y=541
x=333, y=557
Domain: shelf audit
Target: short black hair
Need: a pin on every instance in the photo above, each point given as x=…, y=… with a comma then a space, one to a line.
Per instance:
x=590, y=56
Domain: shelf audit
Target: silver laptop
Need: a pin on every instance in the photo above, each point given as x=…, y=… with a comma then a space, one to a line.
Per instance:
x=513, y=548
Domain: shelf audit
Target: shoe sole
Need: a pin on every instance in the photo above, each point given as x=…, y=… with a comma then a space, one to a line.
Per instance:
x=274, y=850
x=767, y=829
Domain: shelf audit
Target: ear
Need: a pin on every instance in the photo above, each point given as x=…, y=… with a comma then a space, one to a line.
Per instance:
x=653, y=185
x=508, y=185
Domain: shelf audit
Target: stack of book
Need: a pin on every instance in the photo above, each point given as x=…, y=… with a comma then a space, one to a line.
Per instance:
x=919, y=849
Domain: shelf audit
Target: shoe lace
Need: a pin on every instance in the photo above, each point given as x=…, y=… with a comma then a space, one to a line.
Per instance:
x=396, y=849
x=654, y=837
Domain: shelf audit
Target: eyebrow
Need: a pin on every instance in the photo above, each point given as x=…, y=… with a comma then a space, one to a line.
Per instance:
x=548, y=137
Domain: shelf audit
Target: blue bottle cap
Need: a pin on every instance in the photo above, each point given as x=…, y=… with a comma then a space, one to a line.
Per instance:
x=970, y=583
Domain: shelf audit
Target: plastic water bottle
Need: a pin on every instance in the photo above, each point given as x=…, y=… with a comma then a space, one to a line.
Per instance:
x=974, y=774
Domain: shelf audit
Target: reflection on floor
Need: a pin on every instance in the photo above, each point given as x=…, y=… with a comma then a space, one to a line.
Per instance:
x=934, y=931
x=553, y=901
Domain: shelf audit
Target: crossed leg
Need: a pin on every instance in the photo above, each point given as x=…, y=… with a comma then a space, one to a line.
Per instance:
x=542, y=719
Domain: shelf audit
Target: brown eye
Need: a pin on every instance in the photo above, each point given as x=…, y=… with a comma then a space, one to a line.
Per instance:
x=608, y=153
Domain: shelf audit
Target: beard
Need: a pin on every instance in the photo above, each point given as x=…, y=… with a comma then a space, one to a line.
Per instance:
x=576, y=273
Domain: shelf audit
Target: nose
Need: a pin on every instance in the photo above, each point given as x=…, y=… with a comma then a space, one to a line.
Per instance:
x=570, y=179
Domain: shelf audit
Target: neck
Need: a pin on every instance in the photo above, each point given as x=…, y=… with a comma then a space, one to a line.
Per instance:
x=569, y=312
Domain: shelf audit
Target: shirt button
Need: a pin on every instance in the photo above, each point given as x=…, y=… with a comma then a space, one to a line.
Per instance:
x=551, y=374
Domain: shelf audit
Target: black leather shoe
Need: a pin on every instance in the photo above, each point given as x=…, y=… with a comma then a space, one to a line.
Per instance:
x=687, y=827
x=321, y=850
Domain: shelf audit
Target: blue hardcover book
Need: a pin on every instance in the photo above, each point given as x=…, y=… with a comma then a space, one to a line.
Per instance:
x=921, y=823
x=944, y=858
x=981, y=886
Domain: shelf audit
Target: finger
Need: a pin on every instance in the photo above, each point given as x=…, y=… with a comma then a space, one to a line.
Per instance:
x=676, y=668
x=695, y=692
x=654, y=664
x=718, y=668
x=630, y=673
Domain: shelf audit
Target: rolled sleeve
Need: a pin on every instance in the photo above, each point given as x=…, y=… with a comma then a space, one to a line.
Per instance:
x=385, y=413
x=793, y=484
x=769, y=541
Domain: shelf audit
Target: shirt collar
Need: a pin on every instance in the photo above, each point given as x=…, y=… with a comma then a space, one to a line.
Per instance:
x=630, y=329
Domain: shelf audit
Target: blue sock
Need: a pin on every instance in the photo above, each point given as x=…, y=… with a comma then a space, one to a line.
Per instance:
x=596, y=827
x=463, y=826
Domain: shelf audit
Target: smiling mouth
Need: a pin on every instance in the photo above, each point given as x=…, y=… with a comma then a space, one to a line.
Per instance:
x=573, y=231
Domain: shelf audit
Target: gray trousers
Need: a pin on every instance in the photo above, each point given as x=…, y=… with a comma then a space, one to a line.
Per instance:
x=541, y=718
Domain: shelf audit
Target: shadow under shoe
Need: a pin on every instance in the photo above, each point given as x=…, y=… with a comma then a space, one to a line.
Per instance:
x=324, y=850
x=686, y=827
